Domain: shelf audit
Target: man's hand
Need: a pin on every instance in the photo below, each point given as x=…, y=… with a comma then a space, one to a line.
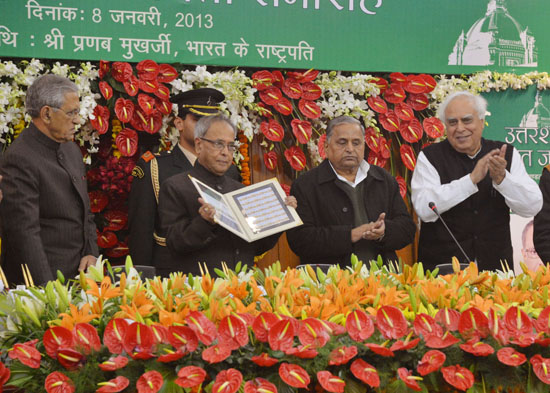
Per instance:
x=482, y=167
x=371, y=231
x=87, y=261
x=497, y=165
x=291, y=201
x=207, y=211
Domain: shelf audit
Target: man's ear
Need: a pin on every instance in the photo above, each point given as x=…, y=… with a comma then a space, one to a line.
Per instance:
x=178, y=123
x=46, y=114
x=198, y=145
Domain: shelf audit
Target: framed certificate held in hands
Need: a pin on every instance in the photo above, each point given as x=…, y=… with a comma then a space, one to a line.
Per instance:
x=252, y=212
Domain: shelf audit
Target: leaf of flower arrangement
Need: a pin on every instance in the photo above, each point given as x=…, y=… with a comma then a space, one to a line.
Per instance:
x=98, y=200
x=407, y=156
x=127, y=142
x=114, y=385
x=124, y=110
x=402, y=186
x=106, y=239
x=398, y=78
x=389, y=121
x=283, y=106
x=294, y=375
x=26, y=354
x=301, y=130
x=86, y=338
x=270, y=160
x=116, y=220
x=330, y=382
x=131, y=85
x=303, y=77
x=411, y=130
x=259, y=385
x=473, y=323
x=227, y=381
x=281, y=335
x=458, y=377
x=430, y=362
x=203, y=327
x=365, y=372
x=190, y=376
x=150, y=382
x=418, y=102
x=448, y=318
x=233, y=332
x=104, y=67
x=312, y=332
x=114, y=363
x=167, y=73
x=372, y=139
x=264, y=360
x=101, y=119
x=433, y=127
x=359, y=325
x=321, y=146
x=162, y=92
x=149, y=86
x=309, y=109
x=404, y=111
x=409, y=379
x=296, y=158
x=121, y=71
x=381, y=83
x=415, y=84
x=271, y=95
x=69, y=358
x=113, y=335
x=146, y=103
x=261, y=80
x=510, y=357
x=377, y=104
x=311, y=91
x=57, y=337
x=106, y=90
x=58, y=382
x=292, y=88
x=342, y=355
x=272, y=130
x=429, y=82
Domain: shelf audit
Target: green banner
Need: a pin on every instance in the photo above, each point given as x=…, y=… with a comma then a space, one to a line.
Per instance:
x=430, y=36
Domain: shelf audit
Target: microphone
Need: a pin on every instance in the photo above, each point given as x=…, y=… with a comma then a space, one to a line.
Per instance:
x=432, y=206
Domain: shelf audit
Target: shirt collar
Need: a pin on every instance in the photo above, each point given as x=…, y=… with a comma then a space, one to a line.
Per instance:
x=361, y=174
x=188, y=154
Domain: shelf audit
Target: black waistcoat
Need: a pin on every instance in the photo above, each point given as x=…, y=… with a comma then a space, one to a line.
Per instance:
x=481, y=223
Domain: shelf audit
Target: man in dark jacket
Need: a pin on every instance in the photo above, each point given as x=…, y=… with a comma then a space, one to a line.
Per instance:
x=46, y=219
x=188, y=223
x=541, y=229
x=348, y=206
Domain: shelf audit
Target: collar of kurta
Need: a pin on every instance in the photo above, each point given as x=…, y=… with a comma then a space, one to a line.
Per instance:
x=327, y=174
x=43, y=138
x=207, y=176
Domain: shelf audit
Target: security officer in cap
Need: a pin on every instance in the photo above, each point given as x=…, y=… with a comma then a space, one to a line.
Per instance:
x=146, y=247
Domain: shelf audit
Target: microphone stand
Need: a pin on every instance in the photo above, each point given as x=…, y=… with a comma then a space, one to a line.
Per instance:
x=432, y=206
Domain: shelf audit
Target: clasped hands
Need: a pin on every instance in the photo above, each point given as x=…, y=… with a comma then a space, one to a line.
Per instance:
x=370, y=231
x=492, y=162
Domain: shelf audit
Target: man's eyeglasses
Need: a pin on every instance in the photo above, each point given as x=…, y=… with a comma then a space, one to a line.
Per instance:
x=72, y=114
x=219, y=145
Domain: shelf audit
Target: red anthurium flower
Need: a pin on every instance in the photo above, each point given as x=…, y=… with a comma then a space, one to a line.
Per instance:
x=404, y=111
x=104, y=67
x=372, y=138
x=541, y=368
x=270, y=160
x=342, y=355
x=106, y=90
x=517, y=322
x=264, y=360
x=153, y=123
x=119, y=250
x=440, y=342
x=303, y=77
x=233, y=332
x=114, y=363
x=301, y=129
x=498, y=328
x=263, y=110
x=302, y=352
x=150, y=382
x=381, y=83
x=381, y=350
x=26, y=354
x=183, y=338
x=227, y=381
x=86, y=338
x=398, y=78
x=278, y=79
x=281, y=335
x=477, y=348
x=391, y=322
x=116, y=220
x=131, y=85
x=321, y=146
x=524, y=340
x=160, y=334
x=404, y=345
x=124, y=110
x=542, y=324
x=407, y=156
x=262, y=324
x=473, y=322
x=433, y=127
x=429, y=82
x=511, y=357
x=365, y=372
x=138, y=341
x=415, y=84
x=58, y=382
x=164, y=106
x=113, y=336
x=261, y=80
x=162, y=92
x=69, y=358
x=425, y=325
x=395, y=94
x=170, y=355
x=385, y=151
x=458, y=377
x=410, y=380
x=359, y=325
x=147, y=70
x=296, y=157
x=312, y=332
x=283, y=106
x=146, y=103
x=55, y=338
x=121, y=71
x=259, y=385
x=310, y=91
x=4, y=375
x=309, y=109
x=216, y=353
x=377, y=104
x=100, y=122
x=272, y=130
x=411, y=131
x=190, y=376
x=203, y=327
x=330, y=382
x=271, y=95
x=167, y=73
x=127, y=142
x=333, y=328
x=430, y=362
x=448, y=318
x=106, y=239
x=294, y=375
x=117, y=384
x=292, y=88
x=149, y=86
x=402, y=186
x=375, y=158
x=418, y=102
x=389, y=121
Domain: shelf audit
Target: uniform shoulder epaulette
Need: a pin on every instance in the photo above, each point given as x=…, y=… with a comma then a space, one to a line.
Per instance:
x=547, y=167
x=147, y=156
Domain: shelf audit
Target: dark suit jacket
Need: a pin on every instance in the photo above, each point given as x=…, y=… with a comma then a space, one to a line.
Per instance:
x=45, y=214
x=541, y=229
x=328, y=217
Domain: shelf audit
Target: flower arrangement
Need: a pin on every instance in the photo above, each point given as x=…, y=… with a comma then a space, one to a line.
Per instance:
x=360, y=329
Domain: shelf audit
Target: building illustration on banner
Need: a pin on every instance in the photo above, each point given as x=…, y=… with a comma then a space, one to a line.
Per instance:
x=538, y=116
x=495, y=39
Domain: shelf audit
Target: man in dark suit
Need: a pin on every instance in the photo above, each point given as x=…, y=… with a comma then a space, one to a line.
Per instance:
x=46, y=219
x=347, y=205
x=146, y=247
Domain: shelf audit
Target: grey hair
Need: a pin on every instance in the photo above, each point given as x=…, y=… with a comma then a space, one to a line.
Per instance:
x=480, y=104
x=48, y=90
x=205, y=122
x=342, y=120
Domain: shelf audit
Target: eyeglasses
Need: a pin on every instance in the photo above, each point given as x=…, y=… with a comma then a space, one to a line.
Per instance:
x=219, y=145
x=72, y=114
